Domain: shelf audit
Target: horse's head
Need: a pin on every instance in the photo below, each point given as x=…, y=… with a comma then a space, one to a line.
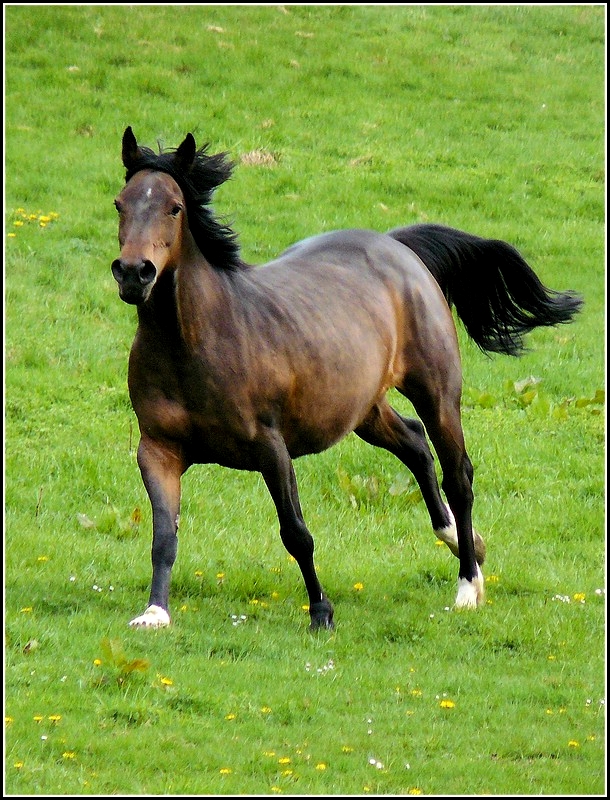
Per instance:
x=152, y=221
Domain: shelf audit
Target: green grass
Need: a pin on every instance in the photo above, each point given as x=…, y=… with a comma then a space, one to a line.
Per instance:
x=486, y=118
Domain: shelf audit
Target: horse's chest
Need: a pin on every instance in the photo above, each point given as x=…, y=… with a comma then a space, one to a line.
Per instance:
x=187, y=404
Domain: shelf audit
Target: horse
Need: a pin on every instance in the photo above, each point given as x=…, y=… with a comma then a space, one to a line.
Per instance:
x=251, y=367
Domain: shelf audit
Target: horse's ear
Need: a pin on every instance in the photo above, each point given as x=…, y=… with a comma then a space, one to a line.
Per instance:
x=185, y=154
x=131, y=151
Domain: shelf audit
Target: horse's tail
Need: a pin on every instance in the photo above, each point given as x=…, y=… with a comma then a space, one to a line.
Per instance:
x=496, y=294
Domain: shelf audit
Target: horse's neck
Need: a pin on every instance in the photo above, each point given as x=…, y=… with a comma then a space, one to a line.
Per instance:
x=194, y=304
x=205, y=302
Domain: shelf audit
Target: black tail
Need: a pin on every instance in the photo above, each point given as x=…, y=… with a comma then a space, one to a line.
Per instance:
x=496, y=294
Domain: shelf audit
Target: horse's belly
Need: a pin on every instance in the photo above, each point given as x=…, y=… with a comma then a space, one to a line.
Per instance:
x=320, y=419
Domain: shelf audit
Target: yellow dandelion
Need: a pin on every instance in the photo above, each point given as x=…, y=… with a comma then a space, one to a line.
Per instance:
x=18, y=223
x=230, y=716
x=8, y=720
x=32, y=217
x=26, y=610
x=269, y=753
x=276, y=789
x=416, y=692
x=225, y=770
x=358, y=586
x=167, y=681
x=184, y=608
x=11, y=235
x=287, y=772
x=198, y=573
x=97, y=662
x=552, y=657
x=321, y=766
x=220, y=576
x=54, y=718
x=42, y=558
x=549, y=711
x=275, y=595
x=45, y=218
x=491, y=579
x=347, y=749
x=305, y=608
x=447, y=704
x=265, y=710
x=580, y=597
x=38, y=718
x=573, y=743
x=415, y=790
x=69, y=754
x=283, y=760
x=254, y=601
x=18, y=764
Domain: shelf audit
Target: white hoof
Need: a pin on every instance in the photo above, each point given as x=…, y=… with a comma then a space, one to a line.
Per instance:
x=153, y=617
x=470, y=593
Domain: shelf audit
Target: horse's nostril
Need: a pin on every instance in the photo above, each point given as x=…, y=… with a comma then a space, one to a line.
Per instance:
x=117, y=271
x=147, y=272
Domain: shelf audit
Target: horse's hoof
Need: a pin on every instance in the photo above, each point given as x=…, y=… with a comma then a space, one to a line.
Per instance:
x=471, y=594
x=321, y=616
x=153, y=617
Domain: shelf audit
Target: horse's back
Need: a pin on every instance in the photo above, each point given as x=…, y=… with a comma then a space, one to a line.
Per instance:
x=377, y=297
x=371, y=268
x=355, y=247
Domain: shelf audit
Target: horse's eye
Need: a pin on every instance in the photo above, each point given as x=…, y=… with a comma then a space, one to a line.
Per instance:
x=175, y=210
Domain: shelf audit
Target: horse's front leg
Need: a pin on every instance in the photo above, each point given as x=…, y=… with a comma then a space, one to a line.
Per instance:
x=161, y=466
x=278, y=473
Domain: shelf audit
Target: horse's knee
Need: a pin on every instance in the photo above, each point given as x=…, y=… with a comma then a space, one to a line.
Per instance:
x=298, y=541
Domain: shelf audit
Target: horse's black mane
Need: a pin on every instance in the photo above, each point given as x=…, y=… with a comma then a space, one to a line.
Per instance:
x=216, y=240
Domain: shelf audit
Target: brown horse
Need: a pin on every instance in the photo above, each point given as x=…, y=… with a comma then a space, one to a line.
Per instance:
x=250, y=367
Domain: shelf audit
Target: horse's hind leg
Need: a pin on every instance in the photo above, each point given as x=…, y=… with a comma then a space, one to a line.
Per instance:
x=440, y=412
x=405, y=438
x=276, y=468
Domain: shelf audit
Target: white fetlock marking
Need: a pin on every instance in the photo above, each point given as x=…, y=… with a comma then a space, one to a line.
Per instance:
x=448, y=534
x=470, y=593
x=153, y=617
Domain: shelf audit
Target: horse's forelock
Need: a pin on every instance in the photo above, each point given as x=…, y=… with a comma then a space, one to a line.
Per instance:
x=197, y=179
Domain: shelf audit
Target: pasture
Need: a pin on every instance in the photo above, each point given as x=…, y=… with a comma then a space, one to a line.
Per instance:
x=487, y=118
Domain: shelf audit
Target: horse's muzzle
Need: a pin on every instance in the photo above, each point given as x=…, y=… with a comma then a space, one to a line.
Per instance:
x=135, y=279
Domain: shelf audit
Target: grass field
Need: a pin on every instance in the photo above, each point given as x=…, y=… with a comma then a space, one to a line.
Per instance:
x=486, y=118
